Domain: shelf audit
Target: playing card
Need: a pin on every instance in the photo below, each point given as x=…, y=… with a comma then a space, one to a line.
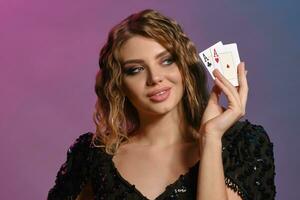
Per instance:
x=229, y=59
x=211, y=59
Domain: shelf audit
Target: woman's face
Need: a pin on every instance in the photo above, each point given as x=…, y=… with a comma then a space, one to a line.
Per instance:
x=151, y=79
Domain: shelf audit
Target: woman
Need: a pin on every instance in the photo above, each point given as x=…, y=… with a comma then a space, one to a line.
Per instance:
x=159, y=133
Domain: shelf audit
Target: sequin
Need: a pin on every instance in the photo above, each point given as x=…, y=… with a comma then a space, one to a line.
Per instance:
x=248, y=162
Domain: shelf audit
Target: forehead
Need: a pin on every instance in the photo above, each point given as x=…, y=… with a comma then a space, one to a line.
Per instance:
x=139, y=47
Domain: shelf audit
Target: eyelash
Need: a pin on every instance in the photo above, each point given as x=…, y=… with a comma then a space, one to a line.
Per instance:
x=130, y=70
x=169, y=59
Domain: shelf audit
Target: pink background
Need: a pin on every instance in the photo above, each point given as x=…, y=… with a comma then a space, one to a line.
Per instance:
x=49, y=59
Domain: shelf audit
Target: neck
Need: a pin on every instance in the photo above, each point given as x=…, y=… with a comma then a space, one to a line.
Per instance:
x=163, y=130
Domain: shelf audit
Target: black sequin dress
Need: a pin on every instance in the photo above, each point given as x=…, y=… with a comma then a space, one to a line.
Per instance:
x=248, y=162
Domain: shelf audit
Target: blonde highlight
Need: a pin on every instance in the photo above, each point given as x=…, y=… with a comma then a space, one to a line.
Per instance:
x=114, y=116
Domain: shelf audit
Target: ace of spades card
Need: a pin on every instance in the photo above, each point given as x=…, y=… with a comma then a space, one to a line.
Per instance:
x=223, y=57
x=210, y=58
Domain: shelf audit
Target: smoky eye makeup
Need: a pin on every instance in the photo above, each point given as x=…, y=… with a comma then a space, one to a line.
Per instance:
x=168, y=60
x=134, y=68
x=131, y=70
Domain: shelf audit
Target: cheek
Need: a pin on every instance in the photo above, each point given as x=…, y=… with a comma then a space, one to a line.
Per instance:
x=175, y=77
x=132, y=88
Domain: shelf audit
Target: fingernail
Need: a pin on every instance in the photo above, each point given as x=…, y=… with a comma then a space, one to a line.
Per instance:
x=246, y=72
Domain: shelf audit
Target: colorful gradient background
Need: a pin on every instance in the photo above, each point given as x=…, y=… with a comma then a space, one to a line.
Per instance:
x=48, y=58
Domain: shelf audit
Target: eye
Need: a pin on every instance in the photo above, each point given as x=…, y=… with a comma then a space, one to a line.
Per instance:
x=168, y=61
x=132, y=70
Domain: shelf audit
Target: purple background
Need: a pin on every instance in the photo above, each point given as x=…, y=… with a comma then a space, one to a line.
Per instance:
x=49, y=58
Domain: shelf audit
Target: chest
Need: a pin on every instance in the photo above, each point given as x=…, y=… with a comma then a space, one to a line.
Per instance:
x=150, y=171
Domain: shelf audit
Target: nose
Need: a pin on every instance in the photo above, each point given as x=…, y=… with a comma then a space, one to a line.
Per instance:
x=154, y=77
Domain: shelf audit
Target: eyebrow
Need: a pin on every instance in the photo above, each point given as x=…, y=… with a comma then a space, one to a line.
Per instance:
x=165, y=52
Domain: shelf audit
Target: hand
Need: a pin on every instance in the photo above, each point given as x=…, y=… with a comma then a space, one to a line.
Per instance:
x=217, y=119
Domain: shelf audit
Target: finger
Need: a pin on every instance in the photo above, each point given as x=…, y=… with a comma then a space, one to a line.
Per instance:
x=231, y=98
x=214, y=95
x=243, y=85
x=228, y=118
x=225, y=82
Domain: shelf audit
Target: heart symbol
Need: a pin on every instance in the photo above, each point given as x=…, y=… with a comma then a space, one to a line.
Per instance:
x=217, y=60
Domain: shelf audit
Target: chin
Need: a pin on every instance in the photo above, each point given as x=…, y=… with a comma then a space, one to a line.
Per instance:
x=161, y=109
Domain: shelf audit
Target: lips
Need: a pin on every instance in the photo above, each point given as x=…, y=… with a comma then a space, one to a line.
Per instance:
x=159, y=95
x=158, y=91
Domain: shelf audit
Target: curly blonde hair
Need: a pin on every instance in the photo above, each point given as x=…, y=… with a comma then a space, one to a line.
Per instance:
x=115, y=117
